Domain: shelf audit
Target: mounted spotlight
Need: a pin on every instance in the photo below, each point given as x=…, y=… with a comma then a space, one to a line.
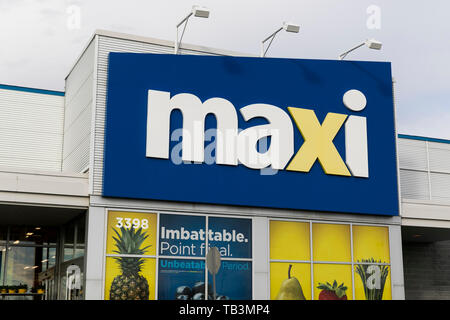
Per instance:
x=288, y=27
x=197, y=11
x=370, y=43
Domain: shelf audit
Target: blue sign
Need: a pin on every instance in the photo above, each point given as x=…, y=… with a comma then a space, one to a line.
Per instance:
x=283, y=133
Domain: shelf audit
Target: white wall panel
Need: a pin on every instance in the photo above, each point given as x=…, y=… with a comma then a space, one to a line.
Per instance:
x=412, y=154
x=77, y=132
x=79, y=102
x=424, y=170
x=414, y=184
x=439, y=154
x=80, y=72
x=31, y=131
x=73, y=160
x=440, y=186
x=78, y=112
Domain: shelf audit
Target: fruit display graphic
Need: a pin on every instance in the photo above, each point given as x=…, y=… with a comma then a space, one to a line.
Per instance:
x=197, y=292
x=290, y=288
x=332, y=292
x=373, y=277
x=130, y=284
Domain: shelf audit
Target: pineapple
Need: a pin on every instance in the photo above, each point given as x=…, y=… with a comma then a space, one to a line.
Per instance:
x=130, y=285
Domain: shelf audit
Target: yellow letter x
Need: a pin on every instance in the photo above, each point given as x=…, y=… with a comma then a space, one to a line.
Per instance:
x=318, y=142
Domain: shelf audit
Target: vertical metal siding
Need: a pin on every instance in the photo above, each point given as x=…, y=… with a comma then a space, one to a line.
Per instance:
x=31, y=130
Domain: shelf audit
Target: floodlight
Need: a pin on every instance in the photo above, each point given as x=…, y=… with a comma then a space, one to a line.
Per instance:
x=374, y=44
x=370, y=43
x=290, y=27
x=200, y=12
x=287, y=26
x=197, y=11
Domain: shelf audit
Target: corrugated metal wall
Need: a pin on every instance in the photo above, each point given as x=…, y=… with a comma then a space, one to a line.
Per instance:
x=78, y=113
x=105, y=46
x=31, y=130
x=424, y=170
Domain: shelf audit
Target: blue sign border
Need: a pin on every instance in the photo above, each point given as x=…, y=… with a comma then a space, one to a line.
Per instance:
x=310, y=84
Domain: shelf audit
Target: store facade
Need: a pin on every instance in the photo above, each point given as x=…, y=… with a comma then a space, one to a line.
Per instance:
x=176, y=198
x=133, y=200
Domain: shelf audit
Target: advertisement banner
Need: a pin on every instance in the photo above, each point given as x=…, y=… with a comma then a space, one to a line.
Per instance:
x=131, y=238
x=118, y=220
x=328, y=272
x=182, y=235
x=184, y=279
x=282, y=133
x=187, y=236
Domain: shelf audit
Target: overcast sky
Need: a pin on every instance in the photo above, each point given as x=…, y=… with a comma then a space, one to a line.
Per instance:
x=40, y=40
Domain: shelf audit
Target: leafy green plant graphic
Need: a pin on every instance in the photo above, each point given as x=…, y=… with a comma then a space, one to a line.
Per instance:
x=373, y=276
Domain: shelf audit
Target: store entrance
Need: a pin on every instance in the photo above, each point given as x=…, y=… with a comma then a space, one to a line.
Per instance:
x=71, y=279
x=40, y=261
x=48, y=283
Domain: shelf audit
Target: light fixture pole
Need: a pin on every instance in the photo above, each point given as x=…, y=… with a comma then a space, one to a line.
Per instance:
x=197, y=11
x=370, y=43
x=289, y=27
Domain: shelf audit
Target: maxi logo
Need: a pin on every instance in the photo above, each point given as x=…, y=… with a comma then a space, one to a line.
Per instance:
x=234, y=146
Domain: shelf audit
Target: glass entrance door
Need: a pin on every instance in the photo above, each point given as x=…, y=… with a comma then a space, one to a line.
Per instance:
x=40, y=263
x=71, y=280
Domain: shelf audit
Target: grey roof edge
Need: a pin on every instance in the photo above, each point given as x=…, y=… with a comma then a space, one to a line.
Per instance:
x=167, y=43
x=144, y=39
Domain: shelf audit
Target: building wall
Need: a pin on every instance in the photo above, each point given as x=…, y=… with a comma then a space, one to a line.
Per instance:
x=31, y=129
x=424, y=181
x=424, y=170
x=78, y=113
x=426, y=270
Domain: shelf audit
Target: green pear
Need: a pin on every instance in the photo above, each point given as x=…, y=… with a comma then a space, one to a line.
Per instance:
x=290, y=288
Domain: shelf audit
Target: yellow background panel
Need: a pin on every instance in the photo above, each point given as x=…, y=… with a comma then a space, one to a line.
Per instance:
x=289, y=240
x=151, y=230
x=371, y=242
x=331, y=242
x=359, y=287
x=113, y=270
x=324, y=273
x=279, y=273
